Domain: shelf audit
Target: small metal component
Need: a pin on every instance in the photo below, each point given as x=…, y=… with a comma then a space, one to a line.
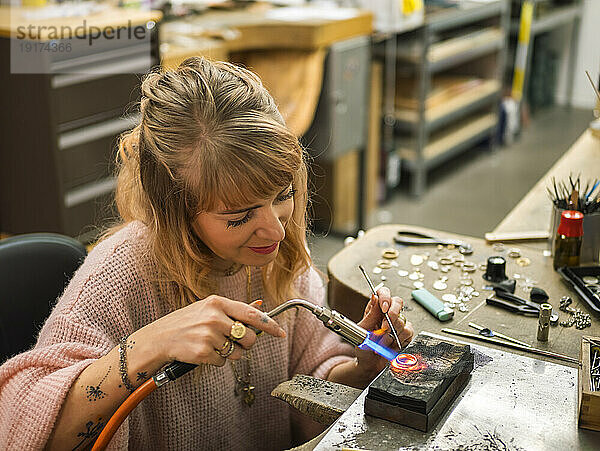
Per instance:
x=514, y=252
x=475, y=293
x=445, y=269
x=383, y=278
x=384, y=264
x=469, y=267
x=449, y=297
x=523, y=261
x=377, y=270
x=390, y=253
x=413, y=276
x=498, y=247
x=463, y=308
x=402, y=273
x=451, y=246
x=440, y=285
x=433, y=265
x=458, y=263
x=589, y=280
x=544, y=322
x=466, y=282
x=418, y=284
x=416, y=260
x=446, y=261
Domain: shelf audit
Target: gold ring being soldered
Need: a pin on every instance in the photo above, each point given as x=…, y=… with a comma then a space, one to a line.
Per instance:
x=227, y=349
x=390, y=254
x=238, y=330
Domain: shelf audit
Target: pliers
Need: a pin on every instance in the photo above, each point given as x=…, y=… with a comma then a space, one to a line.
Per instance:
x=513, y=303
x=415, y=238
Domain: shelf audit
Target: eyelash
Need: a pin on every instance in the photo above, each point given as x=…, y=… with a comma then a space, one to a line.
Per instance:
x=245, y=219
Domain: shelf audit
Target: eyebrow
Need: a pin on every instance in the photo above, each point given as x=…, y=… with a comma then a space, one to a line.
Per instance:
x=254, y=207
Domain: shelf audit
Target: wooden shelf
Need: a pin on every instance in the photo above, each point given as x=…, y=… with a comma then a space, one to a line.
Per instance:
x=454, y=107
x=453, y=139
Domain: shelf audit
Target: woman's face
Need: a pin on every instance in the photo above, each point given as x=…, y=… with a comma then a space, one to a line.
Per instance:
x=249, y=235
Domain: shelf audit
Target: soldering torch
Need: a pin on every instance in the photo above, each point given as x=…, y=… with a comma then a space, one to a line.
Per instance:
x=333, y=320
x=344, y=327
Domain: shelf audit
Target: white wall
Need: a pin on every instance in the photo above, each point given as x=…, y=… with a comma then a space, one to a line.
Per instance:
x=588, y=56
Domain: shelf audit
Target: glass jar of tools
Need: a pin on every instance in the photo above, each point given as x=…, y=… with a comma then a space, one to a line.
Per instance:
x=567, y=244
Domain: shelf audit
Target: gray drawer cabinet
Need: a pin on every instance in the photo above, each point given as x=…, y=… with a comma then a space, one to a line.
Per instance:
x=59, y=131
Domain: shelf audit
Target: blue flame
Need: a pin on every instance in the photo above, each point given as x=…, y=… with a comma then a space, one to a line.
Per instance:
x=379, y=349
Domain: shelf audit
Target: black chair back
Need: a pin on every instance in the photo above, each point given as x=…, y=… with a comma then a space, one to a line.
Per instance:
x=34, y=271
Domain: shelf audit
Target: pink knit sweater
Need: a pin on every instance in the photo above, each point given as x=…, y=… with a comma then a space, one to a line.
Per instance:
x=112, y=295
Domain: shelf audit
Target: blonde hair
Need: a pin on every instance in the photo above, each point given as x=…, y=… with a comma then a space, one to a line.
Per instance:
x=210, y=133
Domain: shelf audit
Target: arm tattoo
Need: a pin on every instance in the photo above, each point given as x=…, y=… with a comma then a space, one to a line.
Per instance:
x=265, y=318
x=94, y=393
x=92, y=431
x=142, y=376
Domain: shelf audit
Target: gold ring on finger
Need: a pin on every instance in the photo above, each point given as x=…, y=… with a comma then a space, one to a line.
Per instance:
x=238, y=330
x=227, y=349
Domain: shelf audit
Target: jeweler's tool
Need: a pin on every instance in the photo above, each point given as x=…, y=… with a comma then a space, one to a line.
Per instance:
x=415, y=238
x=432, y=304
x=387, y=317
x=511, y=345
x=344, y=327
x=486, y=332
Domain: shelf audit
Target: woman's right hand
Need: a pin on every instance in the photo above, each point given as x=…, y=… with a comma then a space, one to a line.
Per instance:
x=195, y=333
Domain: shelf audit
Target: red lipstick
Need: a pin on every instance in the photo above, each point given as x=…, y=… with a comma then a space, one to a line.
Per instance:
x=264, y=250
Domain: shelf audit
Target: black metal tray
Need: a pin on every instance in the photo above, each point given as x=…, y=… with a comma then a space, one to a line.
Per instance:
x=574, y=275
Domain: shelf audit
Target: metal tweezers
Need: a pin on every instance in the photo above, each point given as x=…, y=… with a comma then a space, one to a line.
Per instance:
x=513, y=303
x=415, y=238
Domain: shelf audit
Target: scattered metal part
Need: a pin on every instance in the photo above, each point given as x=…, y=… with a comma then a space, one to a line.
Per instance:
x=390, y=253
x=418, y=284
x=577, y=318
x=440, y=285
x=482, y=266
x=451, y=246
x=377, y=270
x=413, y=276
x=475, y=293
x=416, y=260
x=469, y=267
x=383, y=278
x=516, y=276
x=450, y=304
x=384, y=264
x=467, y=282
x=498, y=247
x=458, y=263
x=449, y=297
x=394, y=263
x=440, y=247
x=463, y=308
x=523, y=261
x=445, y=269
x=589, y=280
x=402, y=273
x=514, y=252
x=433, y=265
x=447, y=261
x=547, y=253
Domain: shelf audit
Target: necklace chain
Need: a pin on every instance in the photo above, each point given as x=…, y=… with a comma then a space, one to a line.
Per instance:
x=242, y=385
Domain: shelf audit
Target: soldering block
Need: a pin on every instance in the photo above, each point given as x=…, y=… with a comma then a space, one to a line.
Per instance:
x=417, y=398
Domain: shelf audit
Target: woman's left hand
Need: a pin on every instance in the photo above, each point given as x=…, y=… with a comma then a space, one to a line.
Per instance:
x=374, y=320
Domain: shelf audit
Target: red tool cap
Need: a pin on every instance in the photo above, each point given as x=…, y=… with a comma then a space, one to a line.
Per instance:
x=571, y=223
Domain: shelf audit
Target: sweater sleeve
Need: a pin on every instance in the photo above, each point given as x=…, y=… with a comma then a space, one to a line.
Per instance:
x=315, y=349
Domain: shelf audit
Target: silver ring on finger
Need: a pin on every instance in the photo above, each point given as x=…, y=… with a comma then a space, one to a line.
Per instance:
x=227, y=349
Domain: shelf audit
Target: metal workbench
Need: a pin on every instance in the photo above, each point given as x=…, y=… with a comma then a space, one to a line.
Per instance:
x=511, y=403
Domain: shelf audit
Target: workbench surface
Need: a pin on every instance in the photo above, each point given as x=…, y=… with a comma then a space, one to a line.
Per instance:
x=348, y=290
x=510, y=403
x=531, y=216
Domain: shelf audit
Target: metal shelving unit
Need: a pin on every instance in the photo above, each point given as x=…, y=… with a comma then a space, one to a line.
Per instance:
x=451, y=41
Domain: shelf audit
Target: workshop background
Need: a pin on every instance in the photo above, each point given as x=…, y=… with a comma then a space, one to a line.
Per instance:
x=467, y=120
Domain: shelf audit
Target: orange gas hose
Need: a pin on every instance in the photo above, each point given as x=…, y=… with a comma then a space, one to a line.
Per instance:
x=121, y=413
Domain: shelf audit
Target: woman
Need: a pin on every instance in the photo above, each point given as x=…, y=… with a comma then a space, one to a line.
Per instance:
x=212, y=193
